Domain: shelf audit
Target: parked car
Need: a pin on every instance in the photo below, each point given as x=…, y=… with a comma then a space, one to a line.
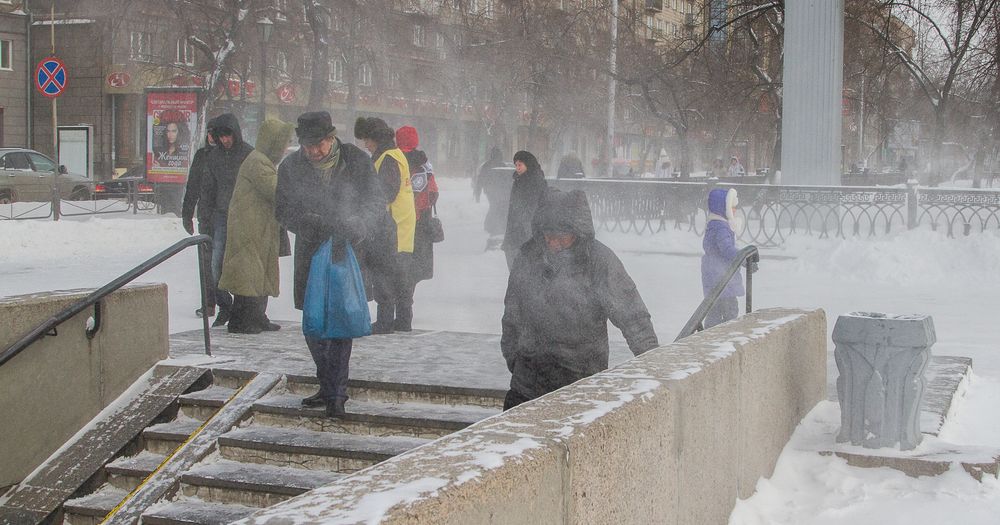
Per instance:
x=121, y=188
x=27, y=176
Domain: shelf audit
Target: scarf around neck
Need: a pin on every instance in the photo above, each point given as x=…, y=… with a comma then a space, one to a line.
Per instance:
x=327, y=164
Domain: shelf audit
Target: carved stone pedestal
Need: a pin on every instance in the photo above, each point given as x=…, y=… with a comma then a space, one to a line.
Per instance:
x=881, y=359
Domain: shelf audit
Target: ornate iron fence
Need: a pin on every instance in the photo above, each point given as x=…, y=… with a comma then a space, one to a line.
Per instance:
x=770, y=214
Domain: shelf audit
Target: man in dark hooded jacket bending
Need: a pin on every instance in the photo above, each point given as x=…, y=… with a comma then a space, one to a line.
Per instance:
x=564, y=286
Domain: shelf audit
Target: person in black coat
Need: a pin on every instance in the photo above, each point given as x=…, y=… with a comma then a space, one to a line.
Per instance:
x=525, y=195
x=496, y=185
x=562, y=290
x=327, y=189
x=192, y=193
x=389, y=267
x=223, y=165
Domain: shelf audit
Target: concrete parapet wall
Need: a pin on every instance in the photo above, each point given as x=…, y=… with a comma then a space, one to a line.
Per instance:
x=52, y=389
x=673, y=436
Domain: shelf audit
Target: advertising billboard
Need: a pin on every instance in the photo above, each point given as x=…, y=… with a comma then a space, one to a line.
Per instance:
x=171, y=117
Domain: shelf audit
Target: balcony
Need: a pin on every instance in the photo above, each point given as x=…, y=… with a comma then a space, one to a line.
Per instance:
x=654, y=5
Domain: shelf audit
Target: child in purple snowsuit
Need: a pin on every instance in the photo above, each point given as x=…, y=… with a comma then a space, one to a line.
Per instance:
x=720, y=250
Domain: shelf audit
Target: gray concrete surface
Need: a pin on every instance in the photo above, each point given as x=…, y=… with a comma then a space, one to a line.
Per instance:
x=68, y=377
x=673, y=436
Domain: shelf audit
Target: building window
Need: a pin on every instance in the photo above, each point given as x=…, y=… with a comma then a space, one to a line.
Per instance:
x=307, y=69
x=365, y=75
x=281, y=62
x=418, y=35
x=139, y=45
x=336, y=71
x=6, y=55
x=185, y=53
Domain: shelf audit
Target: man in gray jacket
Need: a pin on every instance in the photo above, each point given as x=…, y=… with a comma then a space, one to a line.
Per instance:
x=564, y=286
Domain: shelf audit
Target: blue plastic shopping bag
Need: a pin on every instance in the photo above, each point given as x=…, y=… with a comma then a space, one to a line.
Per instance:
x=335, y=304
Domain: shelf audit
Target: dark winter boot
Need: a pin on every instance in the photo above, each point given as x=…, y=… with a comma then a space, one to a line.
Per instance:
x=315, y=400
x=404, y=319
x=383, y=319
x=222, y=318
x=336, y=409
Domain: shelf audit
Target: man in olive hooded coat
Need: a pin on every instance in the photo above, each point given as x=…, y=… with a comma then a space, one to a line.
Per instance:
x=250, y=264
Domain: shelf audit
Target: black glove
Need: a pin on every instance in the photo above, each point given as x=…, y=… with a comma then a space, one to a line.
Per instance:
x=752, y=267
x=188, y=223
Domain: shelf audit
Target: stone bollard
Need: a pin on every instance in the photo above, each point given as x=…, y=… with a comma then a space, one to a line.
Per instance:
x=881, y=359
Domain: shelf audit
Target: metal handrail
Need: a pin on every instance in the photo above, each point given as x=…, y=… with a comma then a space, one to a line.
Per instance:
x=48, y=327
x=748, y=256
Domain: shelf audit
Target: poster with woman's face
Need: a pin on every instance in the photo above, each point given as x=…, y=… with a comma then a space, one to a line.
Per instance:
x=170, y=118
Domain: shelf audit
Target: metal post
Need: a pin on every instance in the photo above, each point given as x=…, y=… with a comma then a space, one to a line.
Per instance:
x=912, y=204
x=612, y=71
x=749, y=287
x=55, y=128
x=861, y=127
x=203, y=275
x=263, y=83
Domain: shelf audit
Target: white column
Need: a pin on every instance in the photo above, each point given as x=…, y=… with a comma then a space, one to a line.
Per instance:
x=812, y=94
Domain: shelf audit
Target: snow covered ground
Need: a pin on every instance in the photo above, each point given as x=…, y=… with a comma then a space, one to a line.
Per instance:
x=957, y=281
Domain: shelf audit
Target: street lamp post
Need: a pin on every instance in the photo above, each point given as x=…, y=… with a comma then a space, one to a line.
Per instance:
x=264, y=27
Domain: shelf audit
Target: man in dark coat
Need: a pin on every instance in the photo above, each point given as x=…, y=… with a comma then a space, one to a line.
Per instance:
x=526, y=193
x=496, y=185
x=217, y=185
x=563, y=289
x=192, y=193
x=327, y=189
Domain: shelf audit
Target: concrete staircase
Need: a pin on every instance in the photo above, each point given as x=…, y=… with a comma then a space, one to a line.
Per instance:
x=278, y=449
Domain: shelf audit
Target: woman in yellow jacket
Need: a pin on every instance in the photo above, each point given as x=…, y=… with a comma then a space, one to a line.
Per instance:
x=393, y=289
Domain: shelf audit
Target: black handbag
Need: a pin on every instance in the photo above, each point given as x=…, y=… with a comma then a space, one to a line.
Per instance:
x=435, y=231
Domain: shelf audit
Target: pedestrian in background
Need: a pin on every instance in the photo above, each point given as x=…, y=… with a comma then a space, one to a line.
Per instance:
x=425, y=196
x=223, y=165
x=253, y=240
x=389, y=268
x=526, y=193
x=719, y=244
x=326, y=189
x=495, y=184
x=570, y=167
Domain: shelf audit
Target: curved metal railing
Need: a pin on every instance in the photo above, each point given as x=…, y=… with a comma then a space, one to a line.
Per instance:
x=49, y=326
x=748, y=257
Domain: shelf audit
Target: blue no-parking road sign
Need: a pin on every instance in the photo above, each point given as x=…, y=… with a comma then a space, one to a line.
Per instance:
x=50, y=77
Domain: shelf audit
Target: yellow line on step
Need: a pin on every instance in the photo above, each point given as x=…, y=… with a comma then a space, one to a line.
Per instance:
x=167, y=459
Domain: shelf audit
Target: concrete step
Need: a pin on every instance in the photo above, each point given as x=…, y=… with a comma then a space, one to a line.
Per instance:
x=250, y=484
x=165, y=437
x=374, y=418
x=231, y=378
x=91, y=509
x=203, y=404
x=127, y=472
x=194, y=512
x=363, y=390
x=310, y=449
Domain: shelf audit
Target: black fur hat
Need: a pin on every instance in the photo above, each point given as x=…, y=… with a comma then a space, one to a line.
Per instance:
x=375, y=129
